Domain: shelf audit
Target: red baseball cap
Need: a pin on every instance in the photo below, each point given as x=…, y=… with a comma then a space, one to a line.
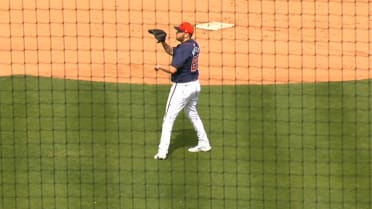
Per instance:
x=185, y=27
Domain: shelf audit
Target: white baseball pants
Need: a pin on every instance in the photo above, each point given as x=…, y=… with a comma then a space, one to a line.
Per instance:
x=182, y=96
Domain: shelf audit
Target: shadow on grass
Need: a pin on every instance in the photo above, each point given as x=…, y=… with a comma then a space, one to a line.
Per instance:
x=183, y=139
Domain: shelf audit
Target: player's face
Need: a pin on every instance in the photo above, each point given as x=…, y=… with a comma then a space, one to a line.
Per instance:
x=180, y=36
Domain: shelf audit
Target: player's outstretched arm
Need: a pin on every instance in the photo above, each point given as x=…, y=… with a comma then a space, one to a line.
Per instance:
x=167, y=48
x=160, y=35
x=169, y=70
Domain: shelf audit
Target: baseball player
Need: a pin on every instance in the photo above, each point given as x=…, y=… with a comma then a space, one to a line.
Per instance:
x=184, y=93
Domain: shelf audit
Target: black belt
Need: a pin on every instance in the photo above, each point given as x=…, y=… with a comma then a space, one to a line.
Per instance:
x=187, y=81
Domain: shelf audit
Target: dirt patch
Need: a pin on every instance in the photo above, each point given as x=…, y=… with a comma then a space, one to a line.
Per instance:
x=272, y=41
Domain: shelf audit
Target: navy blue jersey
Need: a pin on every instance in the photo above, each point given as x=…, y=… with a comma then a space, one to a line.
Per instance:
x=185, y=59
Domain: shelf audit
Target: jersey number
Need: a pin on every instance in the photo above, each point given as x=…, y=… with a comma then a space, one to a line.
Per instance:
x=194, y=64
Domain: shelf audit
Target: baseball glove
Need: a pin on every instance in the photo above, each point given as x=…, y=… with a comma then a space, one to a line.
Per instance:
x=159, y=34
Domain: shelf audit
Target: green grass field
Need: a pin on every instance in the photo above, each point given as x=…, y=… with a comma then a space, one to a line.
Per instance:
x=82, y=145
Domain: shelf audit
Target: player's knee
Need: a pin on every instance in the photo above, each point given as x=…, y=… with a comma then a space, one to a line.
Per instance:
x=170, y=117
x=192, y=114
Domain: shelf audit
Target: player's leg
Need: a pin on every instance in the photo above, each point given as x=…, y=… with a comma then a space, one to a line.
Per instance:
x=191, y=110
x=176, y=102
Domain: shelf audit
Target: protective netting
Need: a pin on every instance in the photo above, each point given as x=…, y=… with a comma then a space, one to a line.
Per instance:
x=285, y=100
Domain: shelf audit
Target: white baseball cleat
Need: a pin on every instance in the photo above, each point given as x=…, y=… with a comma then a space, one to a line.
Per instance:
x=200, y=149
x=160, y=156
